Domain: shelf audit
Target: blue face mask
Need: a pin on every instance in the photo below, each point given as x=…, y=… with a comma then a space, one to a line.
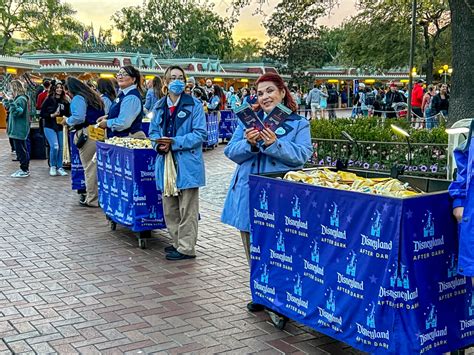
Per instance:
x=176, y=87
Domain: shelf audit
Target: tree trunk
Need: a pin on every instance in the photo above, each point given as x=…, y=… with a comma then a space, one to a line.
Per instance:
x=461, y=102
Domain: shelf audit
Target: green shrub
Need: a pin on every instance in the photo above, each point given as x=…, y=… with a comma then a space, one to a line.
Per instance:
x=373, y=129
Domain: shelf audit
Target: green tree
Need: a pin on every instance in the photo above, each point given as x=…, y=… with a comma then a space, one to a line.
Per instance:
x=294, y=39
x=246, y=49
x=175, y=27
x=42, y=24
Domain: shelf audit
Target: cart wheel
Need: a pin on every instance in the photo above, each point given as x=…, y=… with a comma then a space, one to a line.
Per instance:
x=142, y=243
x=113, y=225
x=278, y=320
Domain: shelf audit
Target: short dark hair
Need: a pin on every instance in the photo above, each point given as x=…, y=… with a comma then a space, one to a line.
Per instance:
x=46, y=84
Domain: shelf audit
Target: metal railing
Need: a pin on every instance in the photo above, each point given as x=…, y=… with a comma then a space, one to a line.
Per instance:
x=426, y=159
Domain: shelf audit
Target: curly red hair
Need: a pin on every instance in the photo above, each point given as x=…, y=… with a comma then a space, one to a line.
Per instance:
x=288, y=100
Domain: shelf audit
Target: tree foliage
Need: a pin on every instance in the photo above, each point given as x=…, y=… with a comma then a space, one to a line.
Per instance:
x=246, y=50
x=175, y=27
x=42, y=24
x=294, y=39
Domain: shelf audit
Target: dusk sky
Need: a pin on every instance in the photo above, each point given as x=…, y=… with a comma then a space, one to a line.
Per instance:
x=99, y=13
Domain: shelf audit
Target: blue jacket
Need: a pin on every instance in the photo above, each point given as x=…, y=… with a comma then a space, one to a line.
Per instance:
x=290, y=151
x=463, y=196
x=187, y=144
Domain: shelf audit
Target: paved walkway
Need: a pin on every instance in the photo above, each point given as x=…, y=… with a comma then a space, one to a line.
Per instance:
x=68, y=284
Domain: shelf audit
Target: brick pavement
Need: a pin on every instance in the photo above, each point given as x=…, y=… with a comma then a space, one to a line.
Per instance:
x=70, y=285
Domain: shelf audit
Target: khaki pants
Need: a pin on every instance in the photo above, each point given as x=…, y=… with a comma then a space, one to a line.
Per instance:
x=90, y=169
x=246, y=242
x=181, y=217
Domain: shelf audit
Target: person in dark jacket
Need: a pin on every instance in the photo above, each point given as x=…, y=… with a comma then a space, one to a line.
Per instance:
x=56, y=105
x=392, y=96
x=333, y=98
x=440, y=102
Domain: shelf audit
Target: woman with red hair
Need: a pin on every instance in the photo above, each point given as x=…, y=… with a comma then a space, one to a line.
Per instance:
x=257, y=152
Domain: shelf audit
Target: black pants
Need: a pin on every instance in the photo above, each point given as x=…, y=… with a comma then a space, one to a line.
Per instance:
x=22, y=153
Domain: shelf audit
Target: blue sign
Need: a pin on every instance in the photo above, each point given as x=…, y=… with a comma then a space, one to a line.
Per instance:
x=127, y=187
x=375, y=272
x=78, y=180
x=227, y=124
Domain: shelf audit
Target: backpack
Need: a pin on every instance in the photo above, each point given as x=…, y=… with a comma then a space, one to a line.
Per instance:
x=370, y=99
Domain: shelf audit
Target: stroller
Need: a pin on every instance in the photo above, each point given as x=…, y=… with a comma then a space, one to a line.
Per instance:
x=401, y=109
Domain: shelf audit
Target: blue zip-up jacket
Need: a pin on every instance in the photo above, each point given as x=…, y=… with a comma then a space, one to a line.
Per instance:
x=463, y=196
x=289, y=152
x=190, y=128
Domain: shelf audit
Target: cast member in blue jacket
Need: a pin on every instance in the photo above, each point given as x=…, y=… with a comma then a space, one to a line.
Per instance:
x=288, y=148
x=125, y=115
x=463, y=205
x=180, y=125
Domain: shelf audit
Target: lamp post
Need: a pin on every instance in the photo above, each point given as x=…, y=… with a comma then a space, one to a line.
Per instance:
x=445, y=70
x=412, y=56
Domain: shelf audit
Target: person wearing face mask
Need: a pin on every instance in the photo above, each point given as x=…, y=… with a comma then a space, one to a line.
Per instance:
x=178, y=127
x=256, y=152
x=125, y=115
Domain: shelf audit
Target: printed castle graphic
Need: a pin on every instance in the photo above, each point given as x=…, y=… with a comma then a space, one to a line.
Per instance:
x=334, y=218
x=127, y=164
x=376, y=224
x=315, y=253
x=429, y=229
x=152, y=212
x=108, y=160
x=136, y=193
x=331, y=301
x=371, y=316
x=296, y=210
x=117, y=162
x=264, y=276
x=432, y=319
x=352, y=265
x=280, y=242
x=401, y=280
x=151, y=164
x=452, y=269
x=263, y=200
x=471, y=306
x=298, y=287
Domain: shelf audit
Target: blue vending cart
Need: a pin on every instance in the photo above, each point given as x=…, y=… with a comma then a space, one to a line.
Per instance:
x=127, y=189
x=376, y=272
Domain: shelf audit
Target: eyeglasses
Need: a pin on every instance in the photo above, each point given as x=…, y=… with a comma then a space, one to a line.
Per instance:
x=122, y=74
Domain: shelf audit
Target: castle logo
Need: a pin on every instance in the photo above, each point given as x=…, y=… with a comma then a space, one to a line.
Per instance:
x=352, y=263
x=295, y=298
x=127, y=171
x=429, y=227
x=328, y=312
x=351, y=268
x=400, y=278
x=262, y=286
x=315, y=253
x=117, y=165
x=137, y=197
x=298, y=286
x=109, y=204
x=263, y=199
x=376, y=224
x=99, y=160
x=333, y=228
x=119, y=212
x=280, y=254
x=454, y=281
x=108, y=165
x=129, y=218
x=263, y=204
x=312, y=265
x=296, y=213
x=431, y=323
x=151, y=164
x=370, y=321
x=113, y=188
x=124, y=191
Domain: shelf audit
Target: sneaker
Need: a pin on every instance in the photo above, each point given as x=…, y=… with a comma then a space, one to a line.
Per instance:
x=53, y=171
x=61, y=172
x=170, y=248
x=176, y=255
x=20, y=174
